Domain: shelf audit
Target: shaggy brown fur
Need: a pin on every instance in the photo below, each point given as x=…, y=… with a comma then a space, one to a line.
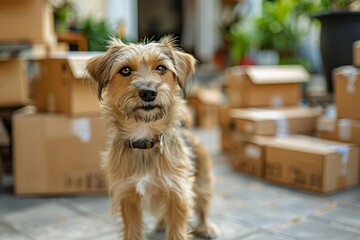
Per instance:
x=141, y=88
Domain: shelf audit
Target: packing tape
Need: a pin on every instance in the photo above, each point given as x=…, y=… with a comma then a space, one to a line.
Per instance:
x=351, y=74
x=325, y=126
x=277, y=101
x=344, y=151
x=81, y=128
x=282, y=127
x=344, y=129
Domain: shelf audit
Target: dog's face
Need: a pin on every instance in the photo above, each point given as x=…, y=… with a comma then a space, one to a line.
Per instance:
x=141, y=80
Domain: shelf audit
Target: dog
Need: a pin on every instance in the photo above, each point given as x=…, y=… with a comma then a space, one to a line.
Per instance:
x=153, y=162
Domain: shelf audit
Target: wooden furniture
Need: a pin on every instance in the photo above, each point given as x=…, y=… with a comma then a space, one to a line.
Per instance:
x=77, y=38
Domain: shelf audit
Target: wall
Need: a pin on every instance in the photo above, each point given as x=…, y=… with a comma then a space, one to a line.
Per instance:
x=124, y=11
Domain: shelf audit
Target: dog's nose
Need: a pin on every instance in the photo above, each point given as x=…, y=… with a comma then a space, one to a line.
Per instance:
x=148, y=95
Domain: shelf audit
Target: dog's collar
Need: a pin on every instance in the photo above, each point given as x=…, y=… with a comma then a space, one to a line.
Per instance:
x=146, y=143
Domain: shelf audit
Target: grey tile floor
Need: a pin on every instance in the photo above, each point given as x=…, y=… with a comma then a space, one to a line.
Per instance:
x=244, y=207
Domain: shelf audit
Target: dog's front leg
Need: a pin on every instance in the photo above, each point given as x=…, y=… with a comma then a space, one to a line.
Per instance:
x=132, y=218
x=176, y=218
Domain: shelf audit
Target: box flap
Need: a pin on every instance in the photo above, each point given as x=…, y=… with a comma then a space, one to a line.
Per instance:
x=277, y=74
x=311, y=144
x=76, y=60
x=256, y=139
x=211, y=96
x=257, y=114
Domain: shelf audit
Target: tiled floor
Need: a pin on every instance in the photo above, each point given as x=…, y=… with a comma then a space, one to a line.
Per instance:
x=243, y=208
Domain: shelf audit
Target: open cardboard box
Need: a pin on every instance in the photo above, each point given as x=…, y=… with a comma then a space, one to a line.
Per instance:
x=312, y=164
x=61, y=85
x=265, y=86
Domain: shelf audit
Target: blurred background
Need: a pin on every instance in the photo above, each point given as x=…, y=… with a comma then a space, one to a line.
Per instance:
x=274, y=101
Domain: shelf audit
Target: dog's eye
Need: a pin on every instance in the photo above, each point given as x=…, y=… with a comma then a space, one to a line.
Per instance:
x=125, y=71
x=161, y=69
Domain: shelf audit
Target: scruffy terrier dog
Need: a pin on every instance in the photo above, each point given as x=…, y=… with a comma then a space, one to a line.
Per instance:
x=153, y=162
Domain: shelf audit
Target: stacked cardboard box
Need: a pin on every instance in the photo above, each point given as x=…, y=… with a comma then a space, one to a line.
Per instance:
x=27, y=33
x=56, y=154
x=257, y=127
x=57, y=147
x=345, y=125
x=263, y=123
x=28, y=21
x=205, y=103
x=357, y=53
x=258, y=97
x=14, y=83
x=259, y=87
x=14, y=94
x=312, y=164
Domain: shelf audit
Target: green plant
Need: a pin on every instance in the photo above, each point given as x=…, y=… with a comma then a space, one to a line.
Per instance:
x=98, y=33
x=240, y=42
x=283, y=25
x=327, y=5
x=64, y=12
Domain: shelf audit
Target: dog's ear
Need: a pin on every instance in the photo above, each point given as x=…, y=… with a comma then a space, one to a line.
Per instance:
x=100, y=67
x=185, y=68
x=99, y=72
x=184, y=63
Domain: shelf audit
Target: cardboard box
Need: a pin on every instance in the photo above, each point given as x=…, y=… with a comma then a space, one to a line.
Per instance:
x=226, y=128
x=26, y=21
x=275, y=121
x=56, y=154
x=357, y=53
x=14, y=84
x=248, y=153
x=347, y=92
x=60, y=85
x=206, y=103
x=4, y=136
x=265, y=86
x=344, y=130
x=326, y=127
x=312, y=164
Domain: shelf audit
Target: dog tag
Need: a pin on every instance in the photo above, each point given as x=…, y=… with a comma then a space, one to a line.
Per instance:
x=161, y=143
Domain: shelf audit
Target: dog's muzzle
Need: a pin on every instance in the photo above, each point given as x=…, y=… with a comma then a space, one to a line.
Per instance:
x=147, y=143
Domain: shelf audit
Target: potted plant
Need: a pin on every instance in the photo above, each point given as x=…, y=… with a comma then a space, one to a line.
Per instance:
x=275, y=35
x=340, y=28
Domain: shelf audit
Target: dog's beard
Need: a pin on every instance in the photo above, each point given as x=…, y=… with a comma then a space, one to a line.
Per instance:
x=133, y=107
x=148, y=113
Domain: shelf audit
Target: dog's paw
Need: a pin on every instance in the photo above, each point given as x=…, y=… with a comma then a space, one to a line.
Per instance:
x=208, y=231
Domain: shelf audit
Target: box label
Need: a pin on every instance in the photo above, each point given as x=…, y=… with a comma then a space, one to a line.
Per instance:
x=87, y=182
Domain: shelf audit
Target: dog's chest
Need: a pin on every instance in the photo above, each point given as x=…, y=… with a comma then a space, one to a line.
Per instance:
x=150, y=185
x=140, y=131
